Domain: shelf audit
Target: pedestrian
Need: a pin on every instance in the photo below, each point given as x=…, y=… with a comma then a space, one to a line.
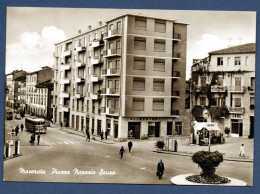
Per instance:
x=242, y=150
x=16, y=130
x=101, y=135
x=106, y=133
x=130, y=145
x=121, y=152
x=38, y=138
x=22, y=127
x=88, y=135
x=61, y=125
x=160, y=169
x=32, y=141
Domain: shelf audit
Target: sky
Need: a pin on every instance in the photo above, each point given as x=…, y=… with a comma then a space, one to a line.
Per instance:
x=32, y=32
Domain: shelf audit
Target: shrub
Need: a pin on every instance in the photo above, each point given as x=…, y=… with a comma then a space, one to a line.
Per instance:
x=217, y=112
x=160, y=144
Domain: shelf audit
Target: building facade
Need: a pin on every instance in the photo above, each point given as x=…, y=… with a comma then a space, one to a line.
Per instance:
x=36, y=95
x=126, y=76
x=224, y=83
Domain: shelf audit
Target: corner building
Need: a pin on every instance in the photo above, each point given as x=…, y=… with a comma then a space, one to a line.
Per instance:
x=127, y=77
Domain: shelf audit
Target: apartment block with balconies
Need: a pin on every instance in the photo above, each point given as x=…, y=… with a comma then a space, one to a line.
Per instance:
x=227, y=79
x=128, y=78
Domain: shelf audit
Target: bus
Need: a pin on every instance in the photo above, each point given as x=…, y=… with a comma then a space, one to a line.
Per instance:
x=9, y=114
x=35, y=125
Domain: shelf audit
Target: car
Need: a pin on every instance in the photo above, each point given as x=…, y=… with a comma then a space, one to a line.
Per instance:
x=18, y=116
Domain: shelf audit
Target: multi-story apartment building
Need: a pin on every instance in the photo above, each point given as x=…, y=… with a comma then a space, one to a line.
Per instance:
x=37, y=93
x=225, y=83
x=13, y=81
x=126, y=76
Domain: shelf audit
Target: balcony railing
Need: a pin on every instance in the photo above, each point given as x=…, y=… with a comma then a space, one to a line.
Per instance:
x=65, y=67
x=81, y=48
x=79, y=79
x=94, y=78
x=65, y=81
x=65, y=94
x=66, y=53
x=175, y=112
x=111, y=72
x=65, y=108
x=251, y=89
x=112, y=52
x=176, y=55
x=111, y=91
x=218, y=88
x=236, y=110
x=97, y=60
x=80, y=64
x=177, y=37
x=112, y=34
x=176, y=74
x=97, y=43
x=176, y=94
x=79, y=94
x=237, y=89
x=112, y=111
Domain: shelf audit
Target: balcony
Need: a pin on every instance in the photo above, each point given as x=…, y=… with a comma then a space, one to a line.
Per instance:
x=112, y=53
x=64, y=94
x=79, y=79
x=94, y=78
x=81, y=48
x=65, y=108
x=236, y=110
x=66, y=53
x=176, y=55
x=111, y=72
x=80, y=64
x=218, y=88
x=79, y=94
x=65, y=67
x=97, y=43
x=176, y=74
x=251, y=89
x=176, y=37
x=237, y=89
x=111, y=91
x=97, y=60
x=201, y=68
x=175, y=113
x=175, y=94
x=65, y=81
x=55, y=55
x=110, y=111
x=52, y=93
x=112, y=34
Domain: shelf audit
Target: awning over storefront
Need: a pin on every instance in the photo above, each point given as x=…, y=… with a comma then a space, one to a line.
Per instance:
x=210, y=126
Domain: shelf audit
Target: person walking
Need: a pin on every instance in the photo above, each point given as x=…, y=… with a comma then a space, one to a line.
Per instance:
x=61, y=125
x=32, y=139
x=106, y=133
x=242, y=150
x=130, y=145
x=22, y=127
x=160, y=169
x=101, y=135
x=88, y=135
x=121, y=152
x=38, y=139
x=16, y=130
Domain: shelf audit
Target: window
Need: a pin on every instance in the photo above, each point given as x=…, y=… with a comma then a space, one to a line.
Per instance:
x=111, y=27
x=252, y=101
x=237, y=61
x=237, y=81
x=138, y=104
x=203, y=80
x=158, y=104
x=220, y=61
x=118, y=25
x=158, y=84
x=159, y=65
x=160, y=26
x=169, y=128
x=203, y=101
x=139, y=43
x=140, y=23
x=237, y=102
x=246, y=61
x=159, y=45
x=139, y=63
x=138, y=83
x=228, y=59
x=178, y=128
x=252, y=82
x=220, y=101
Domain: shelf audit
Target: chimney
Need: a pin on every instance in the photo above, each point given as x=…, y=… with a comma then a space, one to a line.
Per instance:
x=100, y=23
x=89, y=27
x=79, y=31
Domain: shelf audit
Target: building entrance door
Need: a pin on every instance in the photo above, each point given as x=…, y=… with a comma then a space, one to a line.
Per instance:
x=252, y=126
x=237, y=127
x=98, y=127
x=154, y=129
x=116, y=129
x=82, y=124
x=134, y=130
x=66, y=119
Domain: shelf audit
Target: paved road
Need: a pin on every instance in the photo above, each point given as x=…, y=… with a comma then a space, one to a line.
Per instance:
x=67, y=152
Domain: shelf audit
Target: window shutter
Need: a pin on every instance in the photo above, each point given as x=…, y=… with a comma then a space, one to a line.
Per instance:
x=138, y=104
x=160, y=26
x=140, y=43
x=139, y=84
x=158, y=84
x=140, y=23
x=159, y=65
x=159, y=45
x=139, y=63
x=158, y=104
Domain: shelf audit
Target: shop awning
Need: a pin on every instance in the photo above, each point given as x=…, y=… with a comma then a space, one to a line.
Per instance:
x=211, y=126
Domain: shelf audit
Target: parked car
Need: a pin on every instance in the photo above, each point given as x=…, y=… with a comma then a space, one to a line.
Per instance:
x=18, y=116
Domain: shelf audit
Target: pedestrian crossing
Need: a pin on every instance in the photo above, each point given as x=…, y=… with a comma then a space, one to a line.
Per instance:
x=61, y=142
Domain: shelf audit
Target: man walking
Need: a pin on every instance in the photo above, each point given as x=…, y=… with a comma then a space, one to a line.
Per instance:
x=61, y=125
x=121, y=152
x=242, y=150
x=106, y=133
x=38, y=139
x=16, y=130
x=130, y=145
x=22, y=127
x=101, y=135
x=160, y=169
x=88, y=135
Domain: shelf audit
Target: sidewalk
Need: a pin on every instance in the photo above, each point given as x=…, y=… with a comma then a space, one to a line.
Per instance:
x=230, y=149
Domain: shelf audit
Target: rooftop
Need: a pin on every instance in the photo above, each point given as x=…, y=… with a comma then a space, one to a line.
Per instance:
x=245, y=48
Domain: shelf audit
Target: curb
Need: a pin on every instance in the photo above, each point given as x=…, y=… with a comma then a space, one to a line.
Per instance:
x=12, y=157
x=190, y=155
